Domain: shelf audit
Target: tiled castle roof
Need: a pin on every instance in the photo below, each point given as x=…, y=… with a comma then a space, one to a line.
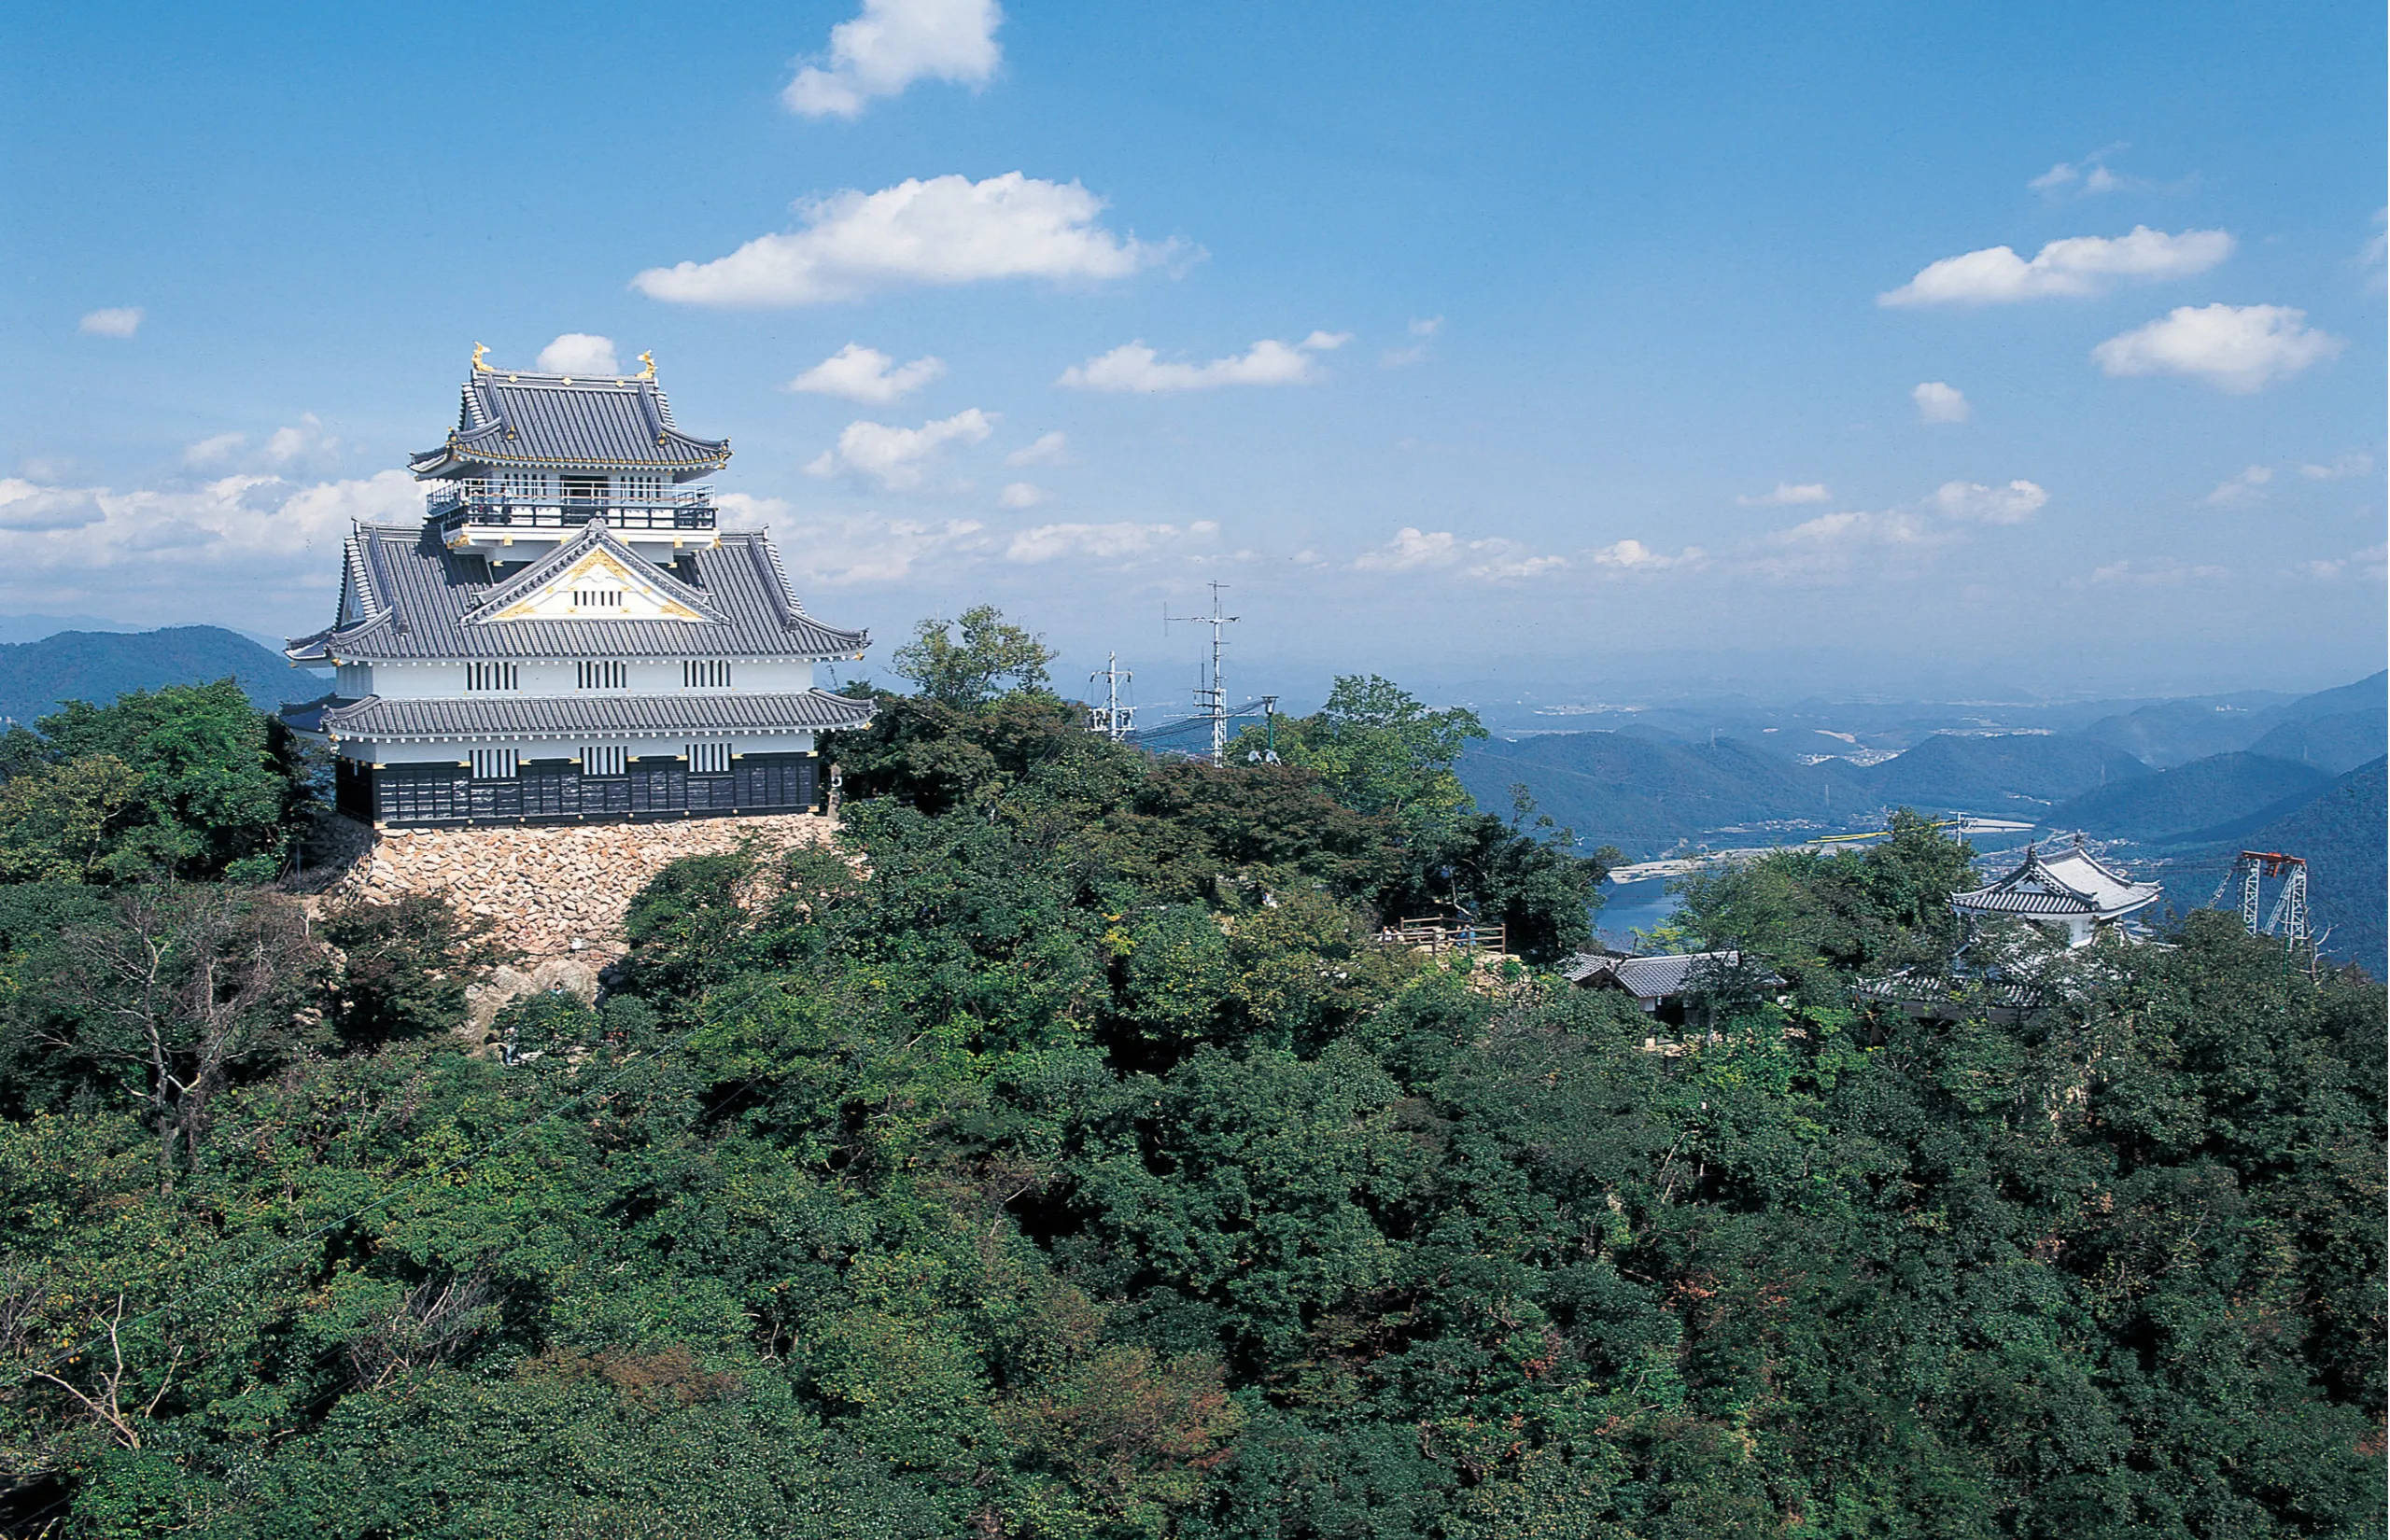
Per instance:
x=513, y=418
x=416, y=600
x=2072, y=882
x=593, y=716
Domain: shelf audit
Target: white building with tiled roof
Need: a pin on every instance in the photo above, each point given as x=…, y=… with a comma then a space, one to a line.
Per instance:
x=2072, y=888
x=567, y=635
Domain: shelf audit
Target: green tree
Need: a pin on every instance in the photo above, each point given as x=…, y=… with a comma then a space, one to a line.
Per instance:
x=221, y=781
x=404, y=967
x=1380, y=750
x=66, y=822
x=992, y=656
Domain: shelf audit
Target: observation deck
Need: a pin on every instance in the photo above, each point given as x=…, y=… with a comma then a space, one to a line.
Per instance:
x=504, y=521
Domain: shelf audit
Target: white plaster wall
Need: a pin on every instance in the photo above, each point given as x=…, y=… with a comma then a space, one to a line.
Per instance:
x=441, y=753
x=442, y=680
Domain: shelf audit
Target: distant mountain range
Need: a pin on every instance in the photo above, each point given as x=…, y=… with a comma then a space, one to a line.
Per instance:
x=2207, y=799
x=2327, y=730
x=100, y=666
x=1646, y=794
x=2303, y=775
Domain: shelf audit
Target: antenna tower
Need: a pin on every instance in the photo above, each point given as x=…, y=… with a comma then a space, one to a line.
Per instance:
x=1211, y=698
x=1112, y=719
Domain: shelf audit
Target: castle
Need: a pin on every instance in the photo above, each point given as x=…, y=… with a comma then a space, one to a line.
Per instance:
x=567, y=635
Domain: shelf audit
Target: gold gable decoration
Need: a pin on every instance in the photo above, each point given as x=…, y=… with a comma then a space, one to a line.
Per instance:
x=540, y=604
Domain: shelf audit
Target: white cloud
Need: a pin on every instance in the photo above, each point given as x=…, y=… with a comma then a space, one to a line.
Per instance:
x=1104, y=542
x=1410, y=549
x=1049, y=449
x=122, y=321
x=866, y=548
x=2080, y=264
x=2085, y=177
x=893, y=44
x=1506, y=562
x=2351, y=464
x=2244, y=488
x=2239, y=348
x=1890, y=542
x=578, y=353
x=2372, y=562
x=1395, y=357
x=1494, y=559
x=2014, y=503
x=259, y=548
x=233, y=521
x=945, y=231
x=1634, y=557
x=1937, y=402
x=216, y=451
x=1785, y=495
x=302, y=446
x=861, y=373
x=895, y=457
x=2163, y=572
x=1020, y=495
x=26, y=506
x=1845, y=530
x=1133, y=367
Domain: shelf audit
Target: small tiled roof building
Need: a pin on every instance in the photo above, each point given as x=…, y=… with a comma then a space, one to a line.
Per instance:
x=2073, y=889
x=567, y=635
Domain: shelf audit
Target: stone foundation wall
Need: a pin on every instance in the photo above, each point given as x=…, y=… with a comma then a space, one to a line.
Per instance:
x=548, y=891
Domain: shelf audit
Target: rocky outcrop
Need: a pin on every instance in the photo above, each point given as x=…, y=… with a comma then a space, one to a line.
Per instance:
x=548, y=892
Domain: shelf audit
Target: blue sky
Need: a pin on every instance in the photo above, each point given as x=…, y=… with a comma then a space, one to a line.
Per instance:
x=1564, y=349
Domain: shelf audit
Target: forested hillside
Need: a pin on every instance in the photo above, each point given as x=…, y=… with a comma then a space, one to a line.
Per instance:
x=1065, y=1157
x=2340, y=834
x=2191, y=799
x=35, y=677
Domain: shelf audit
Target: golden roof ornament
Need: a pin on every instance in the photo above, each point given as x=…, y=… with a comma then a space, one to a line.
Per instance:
x=648, y=360
x=481, y=352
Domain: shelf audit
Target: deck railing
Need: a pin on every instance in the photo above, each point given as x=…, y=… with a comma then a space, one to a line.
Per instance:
x=457, y=504
x=1444, y=934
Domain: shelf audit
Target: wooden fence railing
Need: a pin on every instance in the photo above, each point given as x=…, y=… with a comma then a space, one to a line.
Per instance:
x=1436, y=934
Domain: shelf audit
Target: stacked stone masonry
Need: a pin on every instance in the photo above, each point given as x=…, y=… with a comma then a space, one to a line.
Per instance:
x=552, y=892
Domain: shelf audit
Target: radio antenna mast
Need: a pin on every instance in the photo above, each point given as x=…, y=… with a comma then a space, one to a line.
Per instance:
x=1112, y=719
x=1211, y=698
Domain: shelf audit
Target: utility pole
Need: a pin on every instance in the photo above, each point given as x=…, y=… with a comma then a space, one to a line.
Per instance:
x=1211, y=698
x=1112, y=719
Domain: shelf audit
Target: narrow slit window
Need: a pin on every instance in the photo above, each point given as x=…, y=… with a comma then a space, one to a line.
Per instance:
x=596, y=599
x=494, y=763
x=603, y=759
x=603, y=676
x=490, y=676
x=708, y=758
x=705, y=673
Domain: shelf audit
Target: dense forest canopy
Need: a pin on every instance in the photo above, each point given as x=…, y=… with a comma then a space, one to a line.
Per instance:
x=1064, y=1155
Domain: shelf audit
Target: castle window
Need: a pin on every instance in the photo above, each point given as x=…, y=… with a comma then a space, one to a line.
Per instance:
x=604, y=759
x=596, y=599
x=490, y=676
x=704, y=673
x=584, y=489
x=603, y=676
x=494, y=763
x=708, y=758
